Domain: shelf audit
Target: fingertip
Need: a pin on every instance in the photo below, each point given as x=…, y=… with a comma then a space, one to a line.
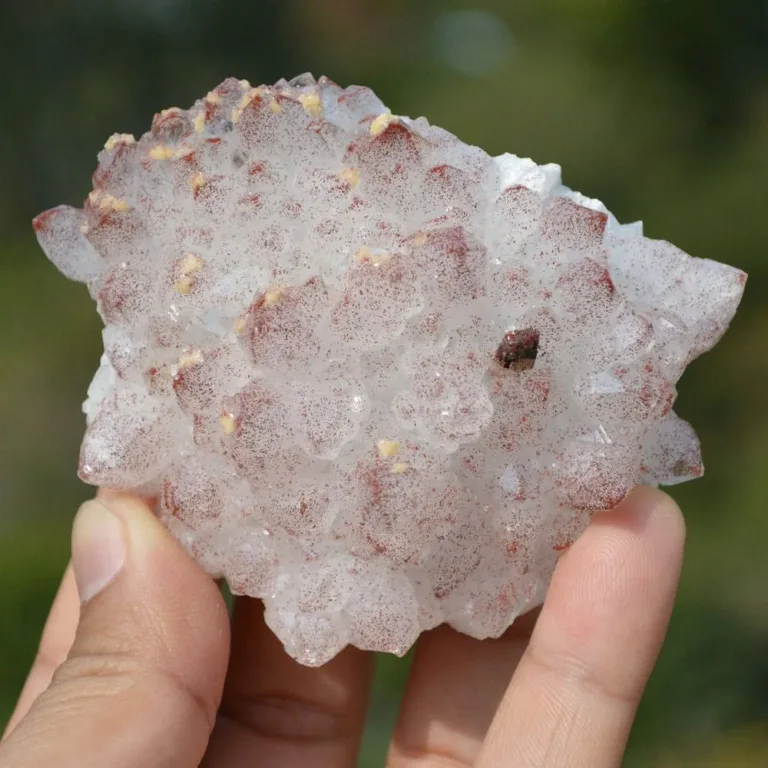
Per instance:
x=126, y=506
x=151, y=544
x=162, y=584
x=652, y=500
x=99, y=548
x=597, y=639
x=629, y=559
x=647, y=511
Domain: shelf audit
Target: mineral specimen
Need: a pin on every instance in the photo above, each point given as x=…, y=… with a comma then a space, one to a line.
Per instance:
x=371, y=374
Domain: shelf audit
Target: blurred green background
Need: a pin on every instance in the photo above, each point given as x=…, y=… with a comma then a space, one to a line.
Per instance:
x=659, y=107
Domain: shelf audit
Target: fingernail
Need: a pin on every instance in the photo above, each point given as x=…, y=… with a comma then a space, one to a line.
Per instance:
x=98, y=548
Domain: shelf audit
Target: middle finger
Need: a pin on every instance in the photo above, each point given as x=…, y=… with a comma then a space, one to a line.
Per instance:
x=277, y=713
x=455, y=686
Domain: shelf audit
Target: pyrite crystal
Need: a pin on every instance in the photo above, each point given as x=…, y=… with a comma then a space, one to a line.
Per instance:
x=368, y=373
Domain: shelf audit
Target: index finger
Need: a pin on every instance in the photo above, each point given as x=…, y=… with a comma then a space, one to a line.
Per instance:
x=574, y=695
x=57, y=639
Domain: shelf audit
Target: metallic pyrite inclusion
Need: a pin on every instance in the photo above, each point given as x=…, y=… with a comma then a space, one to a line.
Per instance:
x=369, y=373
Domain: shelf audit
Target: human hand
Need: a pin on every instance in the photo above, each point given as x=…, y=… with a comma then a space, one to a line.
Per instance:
x=141, y=674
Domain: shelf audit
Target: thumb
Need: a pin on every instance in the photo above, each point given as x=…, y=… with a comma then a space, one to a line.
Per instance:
x=143, y=680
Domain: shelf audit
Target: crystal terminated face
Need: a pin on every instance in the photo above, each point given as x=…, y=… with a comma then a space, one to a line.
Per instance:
x=370, y=374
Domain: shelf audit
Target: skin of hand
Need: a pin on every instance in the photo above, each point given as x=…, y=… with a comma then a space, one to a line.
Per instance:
x=140, y=667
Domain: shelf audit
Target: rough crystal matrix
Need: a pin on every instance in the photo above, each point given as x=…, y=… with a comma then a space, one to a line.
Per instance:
x=371, y=374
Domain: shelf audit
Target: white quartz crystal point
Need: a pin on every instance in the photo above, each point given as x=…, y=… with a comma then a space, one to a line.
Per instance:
x=61, y=233
x=370, y=374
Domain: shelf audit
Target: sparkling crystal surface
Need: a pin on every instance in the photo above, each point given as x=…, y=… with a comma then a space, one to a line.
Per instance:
x=369, y=373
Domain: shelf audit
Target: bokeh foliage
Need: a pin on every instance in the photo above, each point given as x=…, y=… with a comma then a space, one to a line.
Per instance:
x=657, y=106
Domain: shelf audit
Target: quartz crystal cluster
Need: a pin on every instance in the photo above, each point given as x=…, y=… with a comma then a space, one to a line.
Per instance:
x=371, y=374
